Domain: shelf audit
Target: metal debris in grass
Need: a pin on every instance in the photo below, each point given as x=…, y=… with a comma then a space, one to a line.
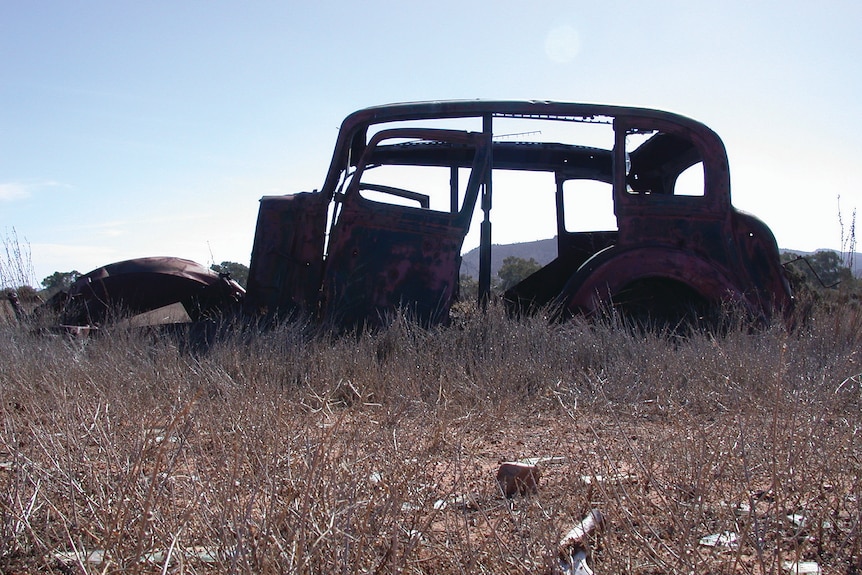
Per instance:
x=160, y=434
x=574, y=548
x=577, y=565
x=201, y=553
x=515, y=478
x=800, y=520
x=802, y=567
x=465, y=502
x=741, y=509
x=548, y=460
x=726, y=539
x=98, y=557
x=609, y=479
x=95, y=557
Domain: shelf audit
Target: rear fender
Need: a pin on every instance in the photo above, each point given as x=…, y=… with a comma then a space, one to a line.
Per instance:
x=611, y=270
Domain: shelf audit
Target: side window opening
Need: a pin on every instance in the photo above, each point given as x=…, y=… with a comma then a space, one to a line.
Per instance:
x=522, y=208
x=426, y=187
x=588, y=206
x=690, y=182
x=660, y=163
x=422, y=169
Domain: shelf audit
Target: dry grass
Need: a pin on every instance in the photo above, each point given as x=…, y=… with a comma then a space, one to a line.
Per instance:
x=299, y=452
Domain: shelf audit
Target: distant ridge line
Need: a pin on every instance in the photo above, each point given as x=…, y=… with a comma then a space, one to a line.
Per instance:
x=544, y=251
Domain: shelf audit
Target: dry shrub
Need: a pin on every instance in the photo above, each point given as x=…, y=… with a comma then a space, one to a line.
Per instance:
x=298, y=451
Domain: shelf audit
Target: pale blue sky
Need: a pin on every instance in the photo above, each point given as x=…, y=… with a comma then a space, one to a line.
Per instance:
x=130, y=129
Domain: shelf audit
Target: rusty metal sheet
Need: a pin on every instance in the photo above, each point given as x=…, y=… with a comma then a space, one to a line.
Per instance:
x=386, y=258
x=287, y=257
x=139, y=285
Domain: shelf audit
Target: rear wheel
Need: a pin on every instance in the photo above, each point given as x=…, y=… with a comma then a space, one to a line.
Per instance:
x=662, y=303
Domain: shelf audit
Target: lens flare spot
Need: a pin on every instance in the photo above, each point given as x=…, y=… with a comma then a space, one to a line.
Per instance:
x=562, y=44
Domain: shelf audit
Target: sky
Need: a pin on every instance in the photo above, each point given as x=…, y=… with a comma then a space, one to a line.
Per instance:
x=131, y=129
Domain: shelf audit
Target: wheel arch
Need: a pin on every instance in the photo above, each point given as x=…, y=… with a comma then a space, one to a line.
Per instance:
x=610, y=271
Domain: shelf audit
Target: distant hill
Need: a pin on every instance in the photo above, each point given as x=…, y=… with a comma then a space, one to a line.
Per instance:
x=857, y=259
x=543, y=251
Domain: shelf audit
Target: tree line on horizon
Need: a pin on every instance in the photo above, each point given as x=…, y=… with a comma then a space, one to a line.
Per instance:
x=824, y=269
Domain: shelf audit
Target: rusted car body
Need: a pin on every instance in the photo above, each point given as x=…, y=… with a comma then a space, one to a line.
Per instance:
x=133, y=287
x=387, y=228
x=408, y=181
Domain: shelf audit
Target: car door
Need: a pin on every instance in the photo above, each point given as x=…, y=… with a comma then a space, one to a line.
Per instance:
x=399, y=227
